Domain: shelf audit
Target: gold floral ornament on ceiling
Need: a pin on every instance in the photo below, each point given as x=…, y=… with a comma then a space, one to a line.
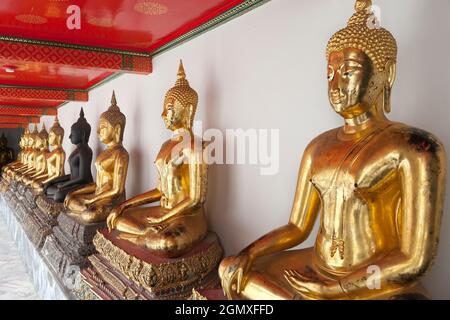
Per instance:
x=151, y=8
x=101, y=22
x=31, y=19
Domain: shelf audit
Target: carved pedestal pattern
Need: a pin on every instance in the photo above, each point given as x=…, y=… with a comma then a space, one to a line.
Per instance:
x=67, y=248
x=134, y=273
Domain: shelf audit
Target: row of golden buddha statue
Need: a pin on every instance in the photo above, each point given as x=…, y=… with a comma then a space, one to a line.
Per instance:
x=379, y=186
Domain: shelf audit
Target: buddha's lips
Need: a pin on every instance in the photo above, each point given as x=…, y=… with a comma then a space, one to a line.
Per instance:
x=336, y=98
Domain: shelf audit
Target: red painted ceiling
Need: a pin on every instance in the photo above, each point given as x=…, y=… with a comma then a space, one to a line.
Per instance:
x=129, y=30
x=136, y=25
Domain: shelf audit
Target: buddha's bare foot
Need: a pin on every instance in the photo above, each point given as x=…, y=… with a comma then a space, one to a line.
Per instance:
x=133, y=238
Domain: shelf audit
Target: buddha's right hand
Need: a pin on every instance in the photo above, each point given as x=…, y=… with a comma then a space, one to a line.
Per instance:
x=235, y=275
x=111, y=221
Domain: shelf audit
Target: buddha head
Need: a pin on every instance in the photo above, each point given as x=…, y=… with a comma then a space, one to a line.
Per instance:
x=361, y=65
x=42, y=139
x=80, y=130
x=32, y=138
x=56, y=134
x=24, y=139
x=3, y=141
x=180, y=104
x=112, y=124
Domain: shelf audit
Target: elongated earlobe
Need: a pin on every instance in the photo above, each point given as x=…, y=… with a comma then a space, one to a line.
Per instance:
x=391, y=70
x=190, y=117
x=387, y=99
x=118, y=133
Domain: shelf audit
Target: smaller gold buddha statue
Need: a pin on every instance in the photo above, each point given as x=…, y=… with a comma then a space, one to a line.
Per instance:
x=30, y=157
x=92, y=203
x=178, y=222
x=55, y=159
x=40, y=161
x=6, y=153
x=20, y=157
x=165, y=250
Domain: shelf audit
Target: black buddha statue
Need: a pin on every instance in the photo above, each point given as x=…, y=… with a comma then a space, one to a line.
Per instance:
x=79, y=160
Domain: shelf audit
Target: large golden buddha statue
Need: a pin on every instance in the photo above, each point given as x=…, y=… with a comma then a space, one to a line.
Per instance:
x=92, y=203
x=379, y=186
x=54, y=160
x=178, y=222
x=40, y=161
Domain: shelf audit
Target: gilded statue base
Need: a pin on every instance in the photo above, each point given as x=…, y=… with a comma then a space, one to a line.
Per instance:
x=21, y=208
x=4, y=186
x=13, y=185
x=30, y=196
x=51, y=208
x=39, y=222
x=21, y=188
x=134, y=273
x=67, y=248
x=8, y=194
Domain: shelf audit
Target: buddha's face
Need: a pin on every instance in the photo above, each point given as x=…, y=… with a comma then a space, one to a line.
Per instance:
x=38, y=142
x=106, y=132
x=75, y=135
x=174, y=114
x=349, y=74
x=52, y=139
x=31, y=141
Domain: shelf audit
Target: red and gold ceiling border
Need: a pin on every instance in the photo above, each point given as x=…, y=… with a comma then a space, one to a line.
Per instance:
x=43, y=93
x=18, y=119
x=27, y=111
x=13, y=125
x=28, y=50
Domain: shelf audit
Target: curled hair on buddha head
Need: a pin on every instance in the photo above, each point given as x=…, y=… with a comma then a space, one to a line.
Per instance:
x=376, y=42
x=114, y=116
x=83, y=127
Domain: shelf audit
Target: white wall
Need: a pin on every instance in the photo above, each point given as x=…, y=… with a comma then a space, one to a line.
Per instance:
x=267, y=69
